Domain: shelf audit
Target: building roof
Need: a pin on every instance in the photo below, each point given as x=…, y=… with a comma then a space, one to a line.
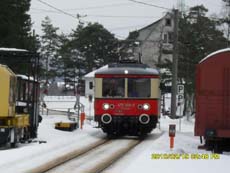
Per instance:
x=91, y=74
x=154, y=23
x=215, y=53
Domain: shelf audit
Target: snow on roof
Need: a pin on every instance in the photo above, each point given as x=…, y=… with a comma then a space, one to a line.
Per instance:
x=215, y=53
x=12, y=49
x=25, y=77
x=91, y=74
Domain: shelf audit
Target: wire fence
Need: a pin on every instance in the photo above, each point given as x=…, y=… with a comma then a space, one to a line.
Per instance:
x=62, y=105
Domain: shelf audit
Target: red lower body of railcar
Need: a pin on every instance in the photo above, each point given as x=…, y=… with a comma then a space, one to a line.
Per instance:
x=126, y=116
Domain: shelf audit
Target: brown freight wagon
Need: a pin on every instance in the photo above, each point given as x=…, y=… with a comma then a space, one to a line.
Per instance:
x=213, y=100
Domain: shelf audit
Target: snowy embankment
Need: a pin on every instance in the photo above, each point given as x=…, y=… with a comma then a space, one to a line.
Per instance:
x=154, y=154
x=57, y=142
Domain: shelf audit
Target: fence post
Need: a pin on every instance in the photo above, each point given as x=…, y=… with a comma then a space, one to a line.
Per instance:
x=68, y=113
x=42, y=110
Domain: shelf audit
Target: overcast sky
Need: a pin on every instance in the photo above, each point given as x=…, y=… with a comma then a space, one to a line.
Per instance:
x=118, y=16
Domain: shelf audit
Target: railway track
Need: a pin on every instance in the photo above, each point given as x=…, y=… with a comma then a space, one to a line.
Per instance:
x=65, y=157
x=90, y=160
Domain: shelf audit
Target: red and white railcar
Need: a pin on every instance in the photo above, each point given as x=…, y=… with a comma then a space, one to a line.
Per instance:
x=127, y=98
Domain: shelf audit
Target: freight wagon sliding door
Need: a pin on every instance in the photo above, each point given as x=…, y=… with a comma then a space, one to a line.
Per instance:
x=226, y=98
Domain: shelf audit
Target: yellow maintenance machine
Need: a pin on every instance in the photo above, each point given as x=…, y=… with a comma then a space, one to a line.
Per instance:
x=19, y=96
x=13, y=126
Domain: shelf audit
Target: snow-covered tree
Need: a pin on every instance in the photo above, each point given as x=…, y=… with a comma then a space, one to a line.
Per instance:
x=96, y=44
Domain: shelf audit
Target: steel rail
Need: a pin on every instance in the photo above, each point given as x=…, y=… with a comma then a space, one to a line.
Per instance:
x=99, y=158
x=66, y=157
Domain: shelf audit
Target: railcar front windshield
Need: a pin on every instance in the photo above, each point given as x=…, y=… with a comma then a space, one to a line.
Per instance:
x=113, y=87
x=139, y=87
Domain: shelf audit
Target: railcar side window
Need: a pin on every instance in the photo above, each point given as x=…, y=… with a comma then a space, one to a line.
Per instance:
x=139, y=87
x=113, y=87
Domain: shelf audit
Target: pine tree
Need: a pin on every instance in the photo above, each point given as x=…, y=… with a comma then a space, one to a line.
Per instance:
x=15, y=28
x=50, y=44
x=198, y=37
x=96, y=44
x=69, y=62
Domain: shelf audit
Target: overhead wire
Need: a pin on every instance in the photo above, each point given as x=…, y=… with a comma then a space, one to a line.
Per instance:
x=57, y=9
x=111, y=16
x=78, y=16
x=99, y=7
x=152, y=5
x=86, y=8
x=100, y=15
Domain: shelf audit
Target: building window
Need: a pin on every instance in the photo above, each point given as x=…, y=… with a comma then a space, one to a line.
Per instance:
x=165, y=38
x=90, y=85
x=168, y=22
x=168, y=37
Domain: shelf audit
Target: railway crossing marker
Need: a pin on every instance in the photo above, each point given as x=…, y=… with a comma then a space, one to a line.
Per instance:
x=82, y=119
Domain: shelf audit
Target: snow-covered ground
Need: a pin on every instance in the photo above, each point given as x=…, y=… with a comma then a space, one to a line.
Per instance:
x=154, y=155
x=150, y=156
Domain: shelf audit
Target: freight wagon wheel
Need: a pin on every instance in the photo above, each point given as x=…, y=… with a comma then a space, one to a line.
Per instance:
x=13, y=144
x=142, y=136
x=111, y=135
x=217, y=148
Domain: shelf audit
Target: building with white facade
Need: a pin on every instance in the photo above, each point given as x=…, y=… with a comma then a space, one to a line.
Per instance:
x=156, y=41
x=89, y=82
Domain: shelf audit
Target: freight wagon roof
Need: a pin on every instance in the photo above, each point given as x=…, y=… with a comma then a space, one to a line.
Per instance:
x=215, y=53
x=131, y=70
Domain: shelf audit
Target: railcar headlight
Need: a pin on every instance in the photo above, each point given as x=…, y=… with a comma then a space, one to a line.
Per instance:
x=146, y=106
x=105, y=106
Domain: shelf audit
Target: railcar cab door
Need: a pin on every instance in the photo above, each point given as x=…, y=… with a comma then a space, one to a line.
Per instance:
x=27, y=100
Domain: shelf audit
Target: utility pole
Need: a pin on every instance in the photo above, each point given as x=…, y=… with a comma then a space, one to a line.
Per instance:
x=181, y=5
x=228, y=20
x=175, y=65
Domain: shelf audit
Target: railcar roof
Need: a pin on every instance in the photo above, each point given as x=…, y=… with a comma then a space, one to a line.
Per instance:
x=215, y=53
x=133, y=69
